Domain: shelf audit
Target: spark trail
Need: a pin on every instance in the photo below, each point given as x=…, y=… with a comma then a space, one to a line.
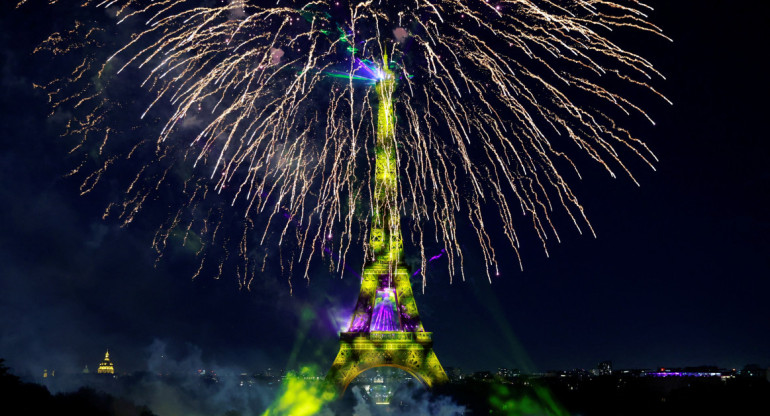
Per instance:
x=489, y=99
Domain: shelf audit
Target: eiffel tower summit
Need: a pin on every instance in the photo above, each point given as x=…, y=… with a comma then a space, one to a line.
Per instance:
x=385, y=328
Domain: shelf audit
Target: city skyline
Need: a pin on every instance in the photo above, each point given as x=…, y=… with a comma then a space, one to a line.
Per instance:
x=106, y=367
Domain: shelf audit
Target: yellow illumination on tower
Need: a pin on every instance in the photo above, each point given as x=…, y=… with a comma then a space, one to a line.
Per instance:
x=106, y=367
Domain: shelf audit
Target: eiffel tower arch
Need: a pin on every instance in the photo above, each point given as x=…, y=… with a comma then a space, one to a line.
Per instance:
x=385, y=328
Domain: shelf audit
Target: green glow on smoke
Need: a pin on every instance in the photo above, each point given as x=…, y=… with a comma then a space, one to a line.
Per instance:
x=301, y=395
x=505, y=402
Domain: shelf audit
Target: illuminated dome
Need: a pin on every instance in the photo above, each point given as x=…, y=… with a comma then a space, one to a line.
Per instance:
x=106, y=367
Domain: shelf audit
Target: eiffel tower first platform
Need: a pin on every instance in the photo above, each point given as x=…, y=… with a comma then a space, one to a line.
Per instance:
x=385, y=328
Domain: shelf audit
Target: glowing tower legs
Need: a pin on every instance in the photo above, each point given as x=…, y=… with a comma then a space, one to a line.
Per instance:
x=385, y=328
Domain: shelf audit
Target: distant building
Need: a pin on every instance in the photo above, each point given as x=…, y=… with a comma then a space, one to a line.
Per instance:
x=106, y=367
x=605, y=368
x=702, y=371
x=378, y=378
x=455, y=374
x=482, y=376
x=208, y=376
x=507, y=373
x=753, y=370
x=86, y=370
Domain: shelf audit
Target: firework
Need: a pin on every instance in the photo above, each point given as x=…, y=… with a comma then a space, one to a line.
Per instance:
x=275, y=108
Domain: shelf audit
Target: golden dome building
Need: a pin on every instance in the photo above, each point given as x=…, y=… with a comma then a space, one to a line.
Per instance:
x=106, y=366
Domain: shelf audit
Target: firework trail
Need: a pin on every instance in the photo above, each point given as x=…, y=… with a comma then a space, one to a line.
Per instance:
x=495, y=102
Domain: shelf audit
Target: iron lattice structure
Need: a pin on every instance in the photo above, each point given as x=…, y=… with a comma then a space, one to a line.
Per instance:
x=385, y=328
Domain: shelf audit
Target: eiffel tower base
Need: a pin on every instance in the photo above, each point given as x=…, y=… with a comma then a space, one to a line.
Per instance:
x=409, y=351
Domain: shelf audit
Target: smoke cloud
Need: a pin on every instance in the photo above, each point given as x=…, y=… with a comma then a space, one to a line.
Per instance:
x=237, y=11
x=275, y=55
x=400, y=34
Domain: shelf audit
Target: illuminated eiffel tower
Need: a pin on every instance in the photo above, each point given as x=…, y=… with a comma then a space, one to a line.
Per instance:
x=385, y=329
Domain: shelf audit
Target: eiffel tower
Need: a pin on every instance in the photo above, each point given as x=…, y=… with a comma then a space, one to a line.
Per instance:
x=385, y=329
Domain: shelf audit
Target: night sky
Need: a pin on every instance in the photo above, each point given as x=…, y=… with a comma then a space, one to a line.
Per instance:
x=679, y=274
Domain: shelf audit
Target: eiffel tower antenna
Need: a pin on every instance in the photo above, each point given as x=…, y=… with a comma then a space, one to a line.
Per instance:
x=385, y=328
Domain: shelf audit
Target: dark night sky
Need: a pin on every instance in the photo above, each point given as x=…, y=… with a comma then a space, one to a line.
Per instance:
x=679, y=273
